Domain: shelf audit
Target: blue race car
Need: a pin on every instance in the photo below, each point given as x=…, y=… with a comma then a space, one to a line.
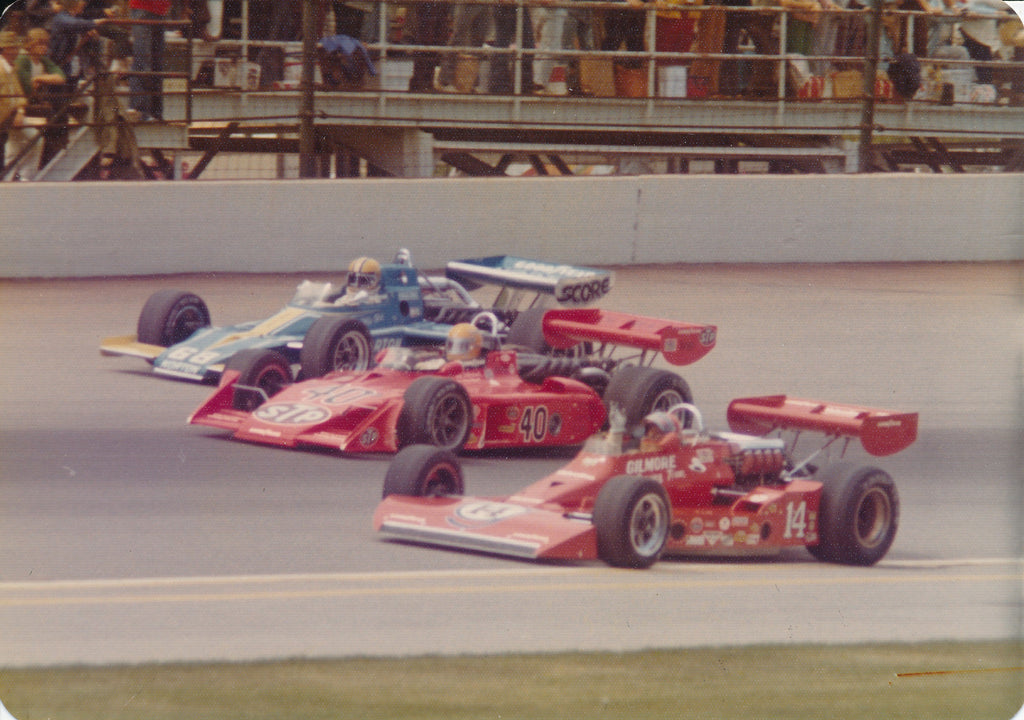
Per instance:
x=326, y=328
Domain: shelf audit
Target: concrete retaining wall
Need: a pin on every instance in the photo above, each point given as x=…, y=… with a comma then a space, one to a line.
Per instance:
x=96, y=229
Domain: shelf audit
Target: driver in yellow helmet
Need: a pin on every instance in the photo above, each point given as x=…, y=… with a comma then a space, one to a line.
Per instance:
x=362, y=283
x=465, y=343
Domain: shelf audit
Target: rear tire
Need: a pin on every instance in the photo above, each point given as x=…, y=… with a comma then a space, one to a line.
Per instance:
x=639, y=391
x=527, y=332
x=436, y=411
x=170, y=317
x=632, y=517
x=267, y=370
x=335, y=344
x=858, y=515
x=424, y=471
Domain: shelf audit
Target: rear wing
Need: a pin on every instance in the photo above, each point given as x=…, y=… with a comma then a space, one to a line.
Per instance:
x=881, y=432
x=679, y=342
x=567, y=284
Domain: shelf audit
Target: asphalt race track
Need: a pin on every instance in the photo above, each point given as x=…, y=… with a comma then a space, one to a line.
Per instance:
x=128, y=536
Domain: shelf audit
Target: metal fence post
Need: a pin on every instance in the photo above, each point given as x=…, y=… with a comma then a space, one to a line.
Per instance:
x=307, y=138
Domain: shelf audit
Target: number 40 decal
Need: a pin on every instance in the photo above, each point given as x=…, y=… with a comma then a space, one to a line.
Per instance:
x=534, y=423
x=796, y=519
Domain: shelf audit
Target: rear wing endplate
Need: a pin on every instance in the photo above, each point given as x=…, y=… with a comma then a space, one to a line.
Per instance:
x=680, y=343
x=568, y=284
x=881, y=432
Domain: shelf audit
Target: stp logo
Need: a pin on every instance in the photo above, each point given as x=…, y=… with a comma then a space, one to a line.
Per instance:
x=291, y=414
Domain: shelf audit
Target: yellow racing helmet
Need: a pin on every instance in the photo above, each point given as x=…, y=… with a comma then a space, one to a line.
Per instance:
x=465, y=342
x=363, y=274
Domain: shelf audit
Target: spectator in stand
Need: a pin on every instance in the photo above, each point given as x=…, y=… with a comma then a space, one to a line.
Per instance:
x=570, y=28
x=981, y=34
x=46, y=89
x=73, y=40
x=41, y=78
x=625, y=27
x=37, y=13
x=12, y=98
x=147, y=57
x=758, y=28
x=472, y=25
x=431, y=29
x=502, y=78
x=15, y=134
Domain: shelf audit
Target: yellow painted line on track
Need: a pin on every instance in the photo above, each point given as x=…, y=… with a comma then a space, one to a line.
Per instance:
x=665, y=567
x=624, y=581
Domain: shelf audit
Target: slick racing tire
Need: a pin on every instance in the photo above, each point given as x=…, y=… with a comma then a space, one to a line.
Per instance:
x=424, y=471
x=267, y=370
x=632, y=517
x=335, y=344
x=639, y=391
x=527, y=333
x=436, y=411
x=858, y=514
x=170, y=317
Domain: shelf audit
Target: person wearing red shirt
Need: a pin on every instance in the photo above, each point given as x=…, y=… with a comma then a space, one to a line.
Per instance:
x=147, y=57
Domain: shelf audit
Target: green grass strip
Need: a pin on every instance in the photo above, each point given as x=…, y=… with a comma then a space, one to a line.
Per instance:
x=930, y=681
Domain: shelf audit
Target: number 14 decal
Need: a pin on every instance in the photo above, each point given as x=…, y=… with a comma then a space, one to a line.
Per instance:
x=796, y=519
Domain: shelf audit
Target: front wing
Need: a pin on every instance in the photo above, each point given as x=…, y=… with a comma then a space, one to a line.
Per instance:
x=129, y=346
x=489, y=525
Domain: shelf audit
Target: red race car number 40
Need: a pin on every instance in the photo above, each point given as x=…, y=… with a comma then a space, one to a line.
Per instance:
x=534, y=424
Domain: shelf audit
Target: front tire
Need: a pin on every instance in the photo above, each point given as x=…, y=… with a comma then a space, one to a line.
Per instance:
x=436, y=411
x=632, y=517
x=267, y=370
x=170, y=317
x=335, y=344
x=639, y=391
x=858, y=514
x=424, y=471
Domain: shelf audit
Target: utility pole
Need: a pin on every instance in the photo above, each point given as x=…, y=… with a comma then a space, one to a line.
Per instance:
x=307, y=135
x=867, y=114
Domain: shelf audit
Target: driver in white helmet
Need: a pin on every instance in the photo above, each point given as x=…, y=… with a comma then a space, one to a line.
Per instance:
x=656, y=426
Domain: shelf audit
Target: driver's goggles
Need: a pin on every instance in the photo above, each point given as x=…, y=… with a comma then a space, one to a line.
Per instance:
x=362, y=280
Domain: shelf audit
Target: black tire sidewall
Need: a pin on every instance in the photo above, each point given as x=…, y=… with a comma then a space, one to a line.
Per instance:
x=413, y=465
x=319, y=346
x=844, y=485
x=613, y=509
x=419, y=405
x=157, y=324
x=252, y=366
x=634, y=390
